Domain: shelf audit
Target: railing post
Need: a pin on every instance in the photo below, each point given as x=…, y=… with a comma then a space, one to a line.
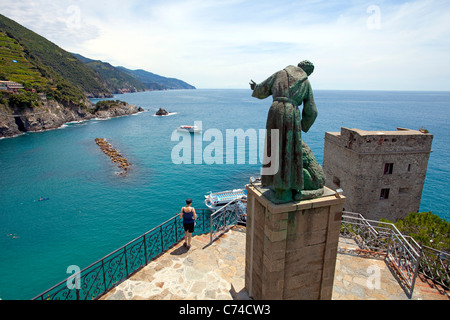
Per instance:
x=389, y=242
x=223, y=219
x=210, y=228
x=174, y=228
x=204, y=218
x=211, y=224
x=126, y=262
x=104, y=275
x=162, y=238
x=145, y=249
x=436, y=263
x=416, y=272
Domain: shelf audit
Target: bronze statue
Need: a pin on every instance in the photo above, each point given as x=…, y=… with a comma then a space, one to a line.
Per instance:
x=299, y=176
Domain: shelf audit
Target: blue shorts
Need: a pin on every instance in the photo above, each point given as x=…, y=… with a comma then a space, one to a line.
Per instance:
x=188, y=227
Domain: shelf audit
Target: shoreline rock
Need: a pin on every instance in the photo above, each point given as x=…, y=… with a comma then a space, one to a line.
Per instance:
x=51, y=115
x=115, y=156
x=161, y=112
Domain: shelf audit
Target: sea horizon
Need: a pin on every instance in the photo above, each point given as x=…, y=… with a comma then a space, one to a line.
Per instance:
x=117, y=95
x=314, y=89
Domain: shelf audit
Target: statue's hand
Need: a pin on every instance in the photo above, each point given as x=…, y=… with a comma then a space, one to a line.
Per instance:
x=252, y=84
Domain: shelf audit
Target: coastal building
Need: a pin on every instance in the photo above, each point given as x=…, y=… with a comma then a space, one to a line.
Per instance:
x=10, y=86
x=381, y=173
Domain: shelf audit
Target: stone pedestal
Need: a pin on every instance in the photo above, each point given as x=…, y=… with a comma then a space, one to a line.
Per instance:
x=291, y=248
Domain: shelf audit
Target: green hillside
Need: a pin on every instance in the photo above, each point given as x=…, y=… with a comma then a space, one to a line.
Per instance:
x=156, y=82
x=15, y=66
x=115, y=80
x=70, y=79
x=56, y=65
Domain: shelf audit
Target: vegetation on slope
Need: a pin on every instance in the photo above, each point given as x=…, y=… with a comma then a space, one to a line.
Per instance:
x=155, y=82
x=56, y=65
x=115, y=80
x=118, y=79
x=14, y=66
x=427, y=229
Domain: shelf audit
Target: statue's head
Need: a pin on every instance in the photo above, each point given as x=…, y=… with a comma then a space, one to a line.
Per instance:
x=307, y=66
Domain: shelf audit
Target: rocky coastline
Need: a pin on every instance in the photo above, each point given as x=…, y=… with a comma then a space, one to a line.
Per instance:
x=52, y=115
x=115, y=156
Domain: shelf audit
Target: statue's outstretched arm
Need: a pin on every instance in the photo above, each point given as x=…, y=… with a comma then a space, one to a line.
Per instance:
x=309, y=113
x=264, y=89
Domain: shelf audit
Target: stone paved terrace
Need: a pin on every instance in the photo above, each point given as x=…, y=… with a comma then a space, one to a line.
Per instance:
x=216, y=272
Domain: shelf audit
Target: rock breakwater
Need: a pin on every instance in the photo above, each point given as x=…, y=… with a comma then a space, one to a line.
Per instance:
x=115, y=156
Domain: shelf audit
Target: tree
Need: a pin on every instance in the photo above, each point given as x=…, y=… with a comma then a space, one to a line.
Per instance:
x=24, y=99
x=427, y=229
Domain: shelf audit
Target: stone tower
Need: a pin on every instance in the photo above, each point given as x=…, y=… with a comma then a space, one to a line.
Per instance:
x=382, y=173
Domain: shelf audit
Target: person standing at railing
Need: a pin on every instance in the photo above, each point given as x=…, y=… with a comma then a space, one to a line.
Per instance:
x=189, y=216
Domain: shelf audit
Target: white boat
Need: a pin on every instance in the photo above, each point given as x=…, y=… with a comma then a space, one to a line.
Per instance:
x=190, y=129
x=218, y=199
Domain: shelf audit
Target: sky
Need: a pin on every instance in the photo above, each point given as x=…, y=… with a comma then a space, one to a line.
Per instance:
x=354, y=45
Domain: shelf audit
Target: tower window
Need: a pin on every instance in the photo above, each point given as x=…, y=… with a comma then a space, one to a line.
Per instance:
x=388, y=168
x=409, y=167
x=337, y=181
x=384, y=194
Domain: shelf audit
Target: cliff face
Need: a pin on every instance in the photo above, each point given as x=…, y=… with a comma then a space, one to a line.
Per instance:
x=55, y=85
x=52, y=115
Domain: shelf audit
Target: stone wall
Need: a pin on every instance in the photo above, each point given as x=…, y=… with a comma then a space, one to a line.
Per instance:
x=291, y=248
x=355, y=160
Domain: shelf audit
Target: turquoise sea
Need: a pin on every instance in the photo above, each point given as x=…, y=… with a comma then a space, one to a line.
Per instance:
x=91, y=211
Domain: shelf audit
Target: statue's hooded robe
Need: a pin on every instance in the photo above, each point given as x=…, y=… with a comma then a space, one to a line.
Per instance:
x=289, y=88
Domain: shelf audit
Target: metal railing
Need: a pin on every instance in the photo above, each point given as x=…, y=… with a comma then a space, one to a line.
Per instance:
x=101, y=276
x=225, y=218
x=401, y=252
x=435, y=265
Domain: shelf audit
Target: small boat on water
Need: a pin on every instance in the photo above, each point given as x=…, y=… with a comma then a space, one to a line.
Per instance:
x=190, y=129
x=218, y=199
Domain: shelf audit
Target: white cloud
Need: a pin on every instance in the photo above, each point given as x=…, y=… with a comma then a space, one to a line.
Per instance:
x=224, y=44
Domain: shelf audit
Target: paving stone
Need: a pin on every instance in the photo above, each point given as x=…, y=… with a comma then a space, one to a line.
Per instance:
x=209, y=271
